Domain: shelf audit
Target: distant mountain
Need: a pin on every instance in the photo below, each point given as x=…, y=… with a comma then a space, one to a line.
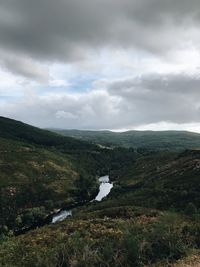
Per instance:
x=156, y=140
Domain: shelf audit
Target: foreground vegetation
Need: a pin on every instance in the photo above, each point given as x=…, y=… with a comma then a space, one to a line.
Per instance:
x=141, y=239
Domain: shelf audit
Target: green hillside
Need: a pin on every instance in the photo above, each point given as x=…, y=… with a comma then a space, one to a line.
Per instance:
x=155, y=140
x=16, y=130
x=164, y=181
x=151, y=218
x=39, y=172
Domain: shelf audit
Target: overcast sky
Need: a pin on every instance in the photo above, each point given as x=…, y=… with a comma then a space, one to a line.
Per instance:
x=101, y=64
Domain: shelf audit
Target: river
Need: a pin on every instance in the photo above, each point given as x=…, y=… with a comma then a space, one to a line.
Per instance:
x=104, y=189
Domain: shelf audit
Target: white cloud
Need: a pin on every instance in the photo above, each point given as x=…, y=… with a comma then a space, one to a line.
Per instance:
x=61, y=114
x=164, y=126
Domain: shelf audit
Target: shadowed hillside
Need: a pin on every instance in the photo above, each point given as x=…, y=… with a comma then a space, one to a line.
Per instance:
x=16, y=130
x=39, y=171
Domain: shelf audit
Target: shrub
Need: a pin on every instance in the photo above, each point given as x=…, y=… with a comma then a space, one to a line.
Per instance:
x=166, y=239
x=132, y=252
x=190, y=209
x=132, y=241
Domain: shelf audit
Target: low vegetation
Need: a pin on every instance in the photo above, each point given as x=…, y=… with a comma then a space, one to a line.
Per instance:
x=148, y=239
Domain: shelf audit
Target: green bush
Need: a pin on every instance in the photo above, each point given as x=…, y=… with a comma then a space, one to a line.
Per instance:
x=132, y=249
x=166, y=239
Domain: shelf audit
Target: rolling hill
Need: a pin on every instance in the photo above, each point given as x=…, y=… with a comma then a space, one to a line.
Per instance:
x=155, y=140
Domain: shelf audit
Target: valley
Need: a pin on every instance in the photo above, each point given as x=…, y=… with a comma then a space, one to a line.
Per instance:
x=150, y=217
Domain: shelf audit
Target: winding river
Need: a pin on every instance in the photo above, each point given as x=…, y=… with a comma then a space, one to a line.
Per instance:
x=104, y=189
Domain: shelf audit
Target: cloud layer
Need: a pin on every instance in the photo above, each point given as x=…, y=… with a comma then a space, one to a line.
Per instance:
x=100, y=63
x=113, y=105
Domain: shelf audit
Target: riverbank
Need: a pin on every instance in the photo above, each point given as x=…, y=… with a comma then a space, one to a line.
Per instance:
x=104, y=189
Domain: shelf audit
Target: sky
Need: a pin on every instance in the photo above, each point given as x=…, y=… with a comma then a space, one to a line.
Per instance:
x=101, y=64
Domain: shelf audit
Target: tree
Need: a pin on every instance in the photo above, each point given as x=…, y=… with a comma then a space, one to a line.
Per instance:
x=85, y=186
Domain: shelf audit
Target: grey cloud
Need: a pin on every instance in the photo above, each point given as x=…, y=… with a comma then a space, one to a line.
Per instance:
x=157, y=98
x=25, y=67
x=63, y=29
x=157, y=83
